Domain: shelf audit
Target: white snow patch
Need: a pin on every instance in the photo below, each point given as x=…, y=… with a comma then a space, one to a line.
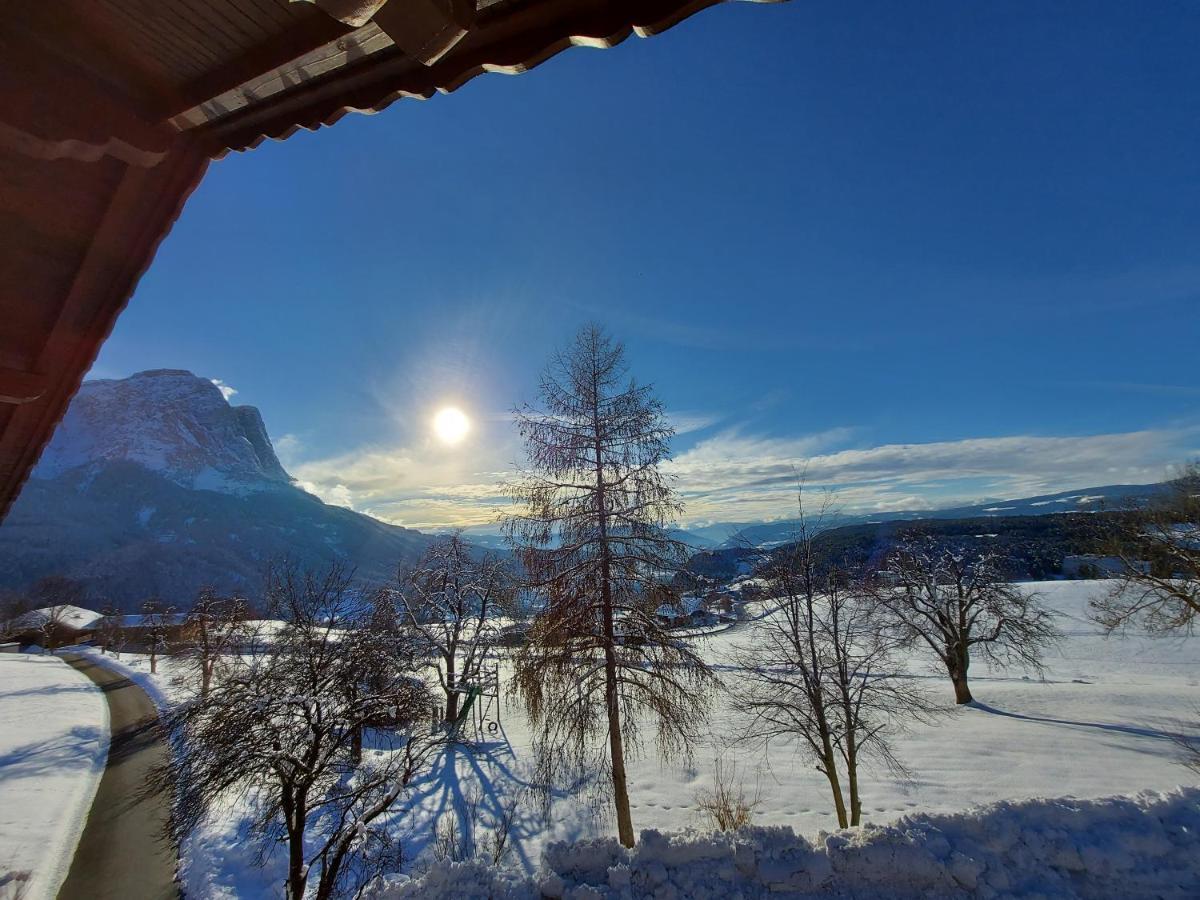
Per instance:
x=1140, y=846
x=54, y=736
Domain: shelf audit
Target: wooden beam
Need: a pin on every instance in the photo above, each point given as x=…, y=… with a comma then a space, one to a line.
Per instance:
x=307, y=35
x=21, y=387
x=508, y=38
x=426, y=29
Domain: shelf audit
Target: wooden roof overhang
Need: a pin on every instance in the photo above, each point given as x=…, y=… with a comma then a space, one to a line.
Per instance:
x=110, y=111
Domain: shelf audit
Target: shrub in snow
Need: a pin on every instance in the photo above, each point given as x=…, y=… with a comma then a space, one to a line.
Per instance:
x=1119, y=847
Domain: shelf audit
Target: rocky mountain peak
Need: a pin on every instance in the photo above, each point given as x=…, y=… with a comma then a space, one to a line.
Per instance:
x=171, y=422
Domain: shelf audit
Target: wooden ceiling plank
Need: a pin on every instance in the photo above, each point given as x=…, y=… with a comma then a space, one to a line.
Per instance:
x=306, y=36
x=280, y=14
x=240, y=16
x=165, y=30
x=232, y=34
x=82, y=37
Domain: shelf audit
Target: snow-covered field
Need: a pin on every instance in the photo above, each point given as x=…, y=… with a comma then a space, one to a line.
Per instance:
x=53, y=746
x=1120, y=848
x=1099, y=724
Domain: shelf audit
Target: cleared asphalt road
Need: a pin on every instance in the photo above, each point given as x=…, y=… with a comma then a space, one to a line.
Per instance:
x=123, y=853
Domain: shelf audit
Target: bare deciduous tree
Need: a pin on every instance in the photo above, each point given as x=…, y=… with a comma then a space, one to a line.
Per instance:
x=156, y=623
x=214, y=629
x=58, y=590
x=14, y=610
x=284, y=726
x=452, y=600
x=111, y=629
x=1158, y=586
x=52, y=622
x=822, y=669
x=959, y=602
x=51, y=598
x=592, y=540
x=1159, y=550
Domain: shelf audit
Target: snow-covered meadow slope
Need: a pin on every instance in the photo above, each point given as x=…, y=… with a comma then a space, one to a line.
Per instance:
x=53, y=746
x=1101, y=722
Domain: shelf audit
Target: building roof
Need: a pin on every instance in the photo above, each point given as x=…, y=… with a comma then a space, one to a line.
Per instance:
x=77, y=617
x=110, y=111
x=691, y=604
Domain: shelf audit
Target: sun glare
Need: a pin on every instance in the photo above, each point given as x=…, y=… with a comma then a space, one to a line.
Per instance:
x=451, y=425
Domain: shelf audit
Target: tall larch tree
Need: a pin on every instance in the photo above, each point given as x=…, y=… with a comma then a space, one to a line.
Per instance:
x=591, y=534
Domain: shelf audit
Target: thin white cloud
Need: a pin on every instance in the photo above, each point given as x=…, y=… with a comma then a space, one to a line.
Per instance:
x=734, y=476
x=288, y=448
x=688, y=422
x=740, y=477
x=418, y=487
x=226, y=390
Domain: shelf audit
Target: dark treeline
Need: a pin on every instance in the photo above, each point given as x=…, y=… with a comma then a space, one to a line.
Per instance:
x=1033, y=546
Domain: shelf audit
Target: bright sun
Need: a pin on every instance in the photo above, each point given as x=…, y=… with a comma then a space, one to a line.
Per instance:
x=451, y=425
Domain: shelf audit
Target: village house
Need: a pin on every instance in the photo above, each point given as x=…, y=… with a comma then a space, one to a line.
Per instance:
x=54, y=626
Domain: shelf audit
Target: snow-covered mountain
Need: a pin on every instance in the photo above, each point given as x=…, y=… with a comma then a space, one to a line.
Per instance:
x=170, y=422
x=154, y=485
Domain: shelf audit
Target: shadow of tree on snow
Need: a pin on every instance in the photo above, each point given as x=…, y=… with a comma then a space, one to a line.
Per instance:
x=81, y=747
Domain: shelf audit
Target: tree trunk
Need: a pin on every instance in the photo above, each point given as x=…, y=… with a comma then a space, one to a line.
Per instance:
x=206, y=670
x=852, y=777
x=356, y=742
x=612, y=702
x=839, y=804
x=617, y=752
x=153, y=662
x=297, y=876
x=957, y=665
x=962, y=692
x=451, y=692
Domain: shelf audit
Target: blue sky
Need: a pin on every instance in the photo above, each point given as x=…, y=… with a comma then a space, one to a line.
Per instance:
x=941, y=253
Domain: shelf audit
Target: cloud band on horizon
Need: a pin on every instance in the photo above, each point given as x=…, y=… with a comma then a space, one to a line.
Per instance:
x=732, y=476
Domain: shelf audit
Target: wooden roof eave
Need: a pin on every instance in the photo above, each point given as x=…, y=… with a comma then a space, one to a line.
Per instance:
x=132, y=168
x=512, y=41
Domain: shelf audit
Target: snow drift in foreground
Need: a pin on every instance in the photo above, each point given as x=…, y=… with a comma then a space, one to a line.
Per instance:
x=1140, y=846
x=53, y=747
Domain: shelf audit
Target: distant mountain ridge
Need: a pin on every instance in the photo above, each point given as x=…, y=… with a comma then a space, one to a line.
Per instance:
x=764, y=535
x=1112, y=496
x=154, y=485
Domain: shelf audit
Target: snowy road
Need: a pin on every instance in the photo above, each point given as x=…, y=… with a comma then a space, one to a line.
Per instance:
x=122, y=853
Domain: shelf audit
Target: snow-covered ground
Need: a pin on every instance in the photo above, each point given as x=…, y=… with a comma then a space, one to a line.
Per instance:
x=1099, y=724
x=1119, y=848
x=53, y=746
